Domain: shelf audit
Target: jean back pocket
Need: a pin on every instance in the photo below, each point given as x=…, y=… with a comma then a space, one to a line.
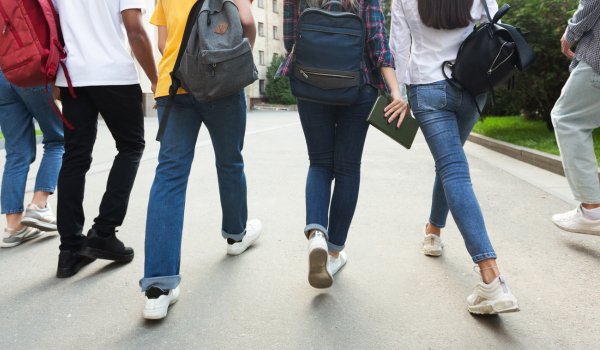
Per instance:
x=430, y=97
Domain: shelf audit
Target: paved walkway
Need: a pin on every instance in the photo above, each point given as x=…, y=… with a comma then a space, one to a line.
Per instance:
x=388, y=296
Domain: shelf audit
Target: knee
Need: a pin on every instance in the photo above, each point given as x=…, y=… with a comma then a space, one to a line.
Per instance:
x=347, y=166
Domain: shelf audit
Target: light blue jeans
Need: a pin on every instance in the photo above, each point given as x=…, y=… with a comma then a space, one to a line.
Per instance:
x=447, y=116
x=225, y=120
x=18, y=109
x=575, y=115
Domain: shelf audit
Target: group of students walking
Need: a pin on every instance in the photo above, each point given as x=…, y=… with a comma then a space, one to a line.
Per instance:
x=424, y=34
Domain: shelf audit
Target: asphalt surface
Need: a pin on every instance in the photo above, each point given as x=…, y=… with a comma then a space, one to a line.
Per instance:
x=389, y=295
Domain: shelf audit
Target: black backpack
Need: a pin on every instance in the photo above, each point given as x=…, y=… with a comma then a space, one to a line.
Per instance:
x=490, y=56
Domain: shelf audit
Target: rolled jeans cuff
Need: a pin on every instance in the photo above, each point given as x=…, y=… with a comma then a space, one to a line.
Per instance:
x=238, y=237
x=51, y=190
x=480, y=257
x=335, y=248
x=12, y=211
x=587, y=200
x=311, y=227
x=163, y=282
x=434, y=224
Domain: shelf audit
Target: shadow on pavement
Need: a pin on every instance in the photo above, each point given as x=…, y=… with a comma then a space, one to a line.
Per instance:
x=594, y=253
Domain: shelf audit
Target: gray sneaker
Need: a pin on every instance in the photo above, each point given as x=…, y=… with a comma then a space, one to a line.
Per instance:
x=13, y=237
x=40, y=218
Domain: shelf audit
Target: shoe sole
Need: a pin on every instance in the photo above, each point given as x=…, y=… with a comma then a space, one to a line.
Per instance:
x=28, y=238
x=65, y=273
x=498, y=307
x=105, y=255
x=240, y=251
x=318, y=276
x=160, y=313
x=39, y=224
x=435, y=253
x=585, y=232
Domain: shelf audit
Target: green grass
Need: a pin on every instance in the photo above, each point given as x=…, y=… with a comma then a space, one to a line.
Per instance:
x=37, y=132
x=527, y=133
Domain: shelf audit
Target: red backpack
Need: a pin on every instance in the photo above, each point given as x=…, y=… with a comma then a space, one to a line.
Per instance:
x=31, y=45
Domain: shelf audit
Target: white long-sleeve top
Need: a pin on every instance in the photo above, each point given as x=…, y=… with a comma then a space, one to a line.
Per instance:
x=421, y=62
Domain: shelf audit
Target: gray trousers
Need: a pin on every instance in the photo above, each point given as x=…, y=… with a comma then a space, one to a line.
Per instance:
x=575, y=115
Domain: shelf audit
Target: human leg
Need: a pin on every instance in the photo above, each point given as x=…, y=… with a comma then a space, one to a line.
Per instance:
x=350, y=135
x=82, y=113
x=166, y=206
x=318, y=124
x=38, y=214
x=575, y=115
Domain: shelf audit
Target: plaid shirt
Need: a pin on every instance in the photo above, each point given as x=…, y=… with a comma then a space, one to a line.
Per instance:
x=584, y=28
x=377, y=53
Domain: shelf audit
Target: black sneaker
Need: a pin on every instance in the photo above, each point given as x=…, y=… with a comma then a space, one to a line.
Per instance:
x=70, y=263
x=110, y=248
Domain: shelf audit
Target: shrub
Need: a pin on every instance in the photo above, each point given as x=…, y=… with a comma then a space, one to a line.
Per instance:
x=278, y=89
x=538, y=88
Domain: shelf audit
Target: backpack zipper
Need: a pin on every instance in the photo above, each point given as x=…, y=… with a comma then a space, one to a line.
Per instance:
x=9, y=25
x=326, y=75
x=328, y=31
x=27, y=61
x=492, y=67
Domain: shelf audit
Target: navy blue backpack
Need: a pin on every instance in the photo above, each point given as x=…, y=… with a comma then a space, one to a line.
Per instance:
x=327, y=58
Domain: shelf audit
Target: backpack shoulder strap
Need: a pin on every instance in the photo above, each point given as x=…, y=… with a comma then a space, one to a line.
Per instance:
x=175, y=82
x=526, y=55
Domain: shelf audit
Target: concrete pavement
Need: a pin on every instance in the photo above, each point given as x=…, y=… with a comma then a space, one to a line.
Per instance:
x=388, y=295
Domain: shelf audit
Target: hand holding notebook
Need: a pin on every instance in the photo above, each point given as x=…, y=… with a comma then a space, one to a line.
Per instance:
x=405, y=134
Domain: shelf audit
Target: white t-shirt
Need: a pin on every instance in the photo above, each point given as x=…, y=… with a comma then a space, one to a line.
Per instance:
x=420, y=62
x=95, y=41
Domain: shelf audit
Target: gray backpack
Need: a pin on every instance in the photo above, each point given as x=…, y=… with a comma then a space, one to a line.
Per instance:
x=214, y=60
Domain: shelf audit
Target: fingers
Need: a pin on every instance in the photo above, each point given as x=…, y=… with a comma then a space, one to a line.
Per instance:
x=401, y=119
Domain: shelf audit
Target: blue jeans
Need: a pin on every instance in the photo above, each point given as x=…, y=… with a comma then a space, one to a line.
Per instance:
x=18, y=108
x=447, y=116
x=335, y=137
x=225, y=120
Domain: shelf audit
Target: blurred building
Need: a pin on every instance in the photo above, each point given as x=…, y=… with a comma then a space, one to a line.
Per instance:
x=268, y=15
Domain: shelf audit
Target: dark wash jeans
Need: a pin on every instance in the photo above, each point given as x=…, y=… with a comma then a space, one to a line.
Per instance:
x=121, y=109
x=447, y=116
x=335, y=137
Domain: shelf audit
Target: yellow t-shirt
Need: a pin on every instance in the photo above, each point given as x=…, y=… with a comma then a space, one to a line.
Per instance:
x=172, y=14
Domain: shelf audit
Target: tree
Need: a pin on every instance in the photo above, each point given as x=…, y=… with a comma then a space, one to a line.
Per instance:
x=538, y=88
x=278, y=89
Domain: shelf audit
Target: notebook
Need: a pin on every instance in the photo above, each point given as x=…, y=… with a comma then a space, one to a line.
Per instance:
x=408, y=129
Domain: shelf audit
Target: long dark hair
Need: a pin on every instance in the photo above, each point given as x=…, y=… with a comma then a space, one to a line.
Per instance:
x=445, y=14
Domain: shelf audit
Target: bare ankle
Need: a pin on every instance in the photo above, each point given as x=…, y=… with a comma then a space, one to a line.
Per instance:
x=590, y=206
x=432, y=230
x=335, y=255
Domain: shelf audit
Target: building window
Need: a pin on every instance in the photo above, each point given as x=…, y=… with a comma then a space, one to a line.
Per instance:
x=275, y=33
x=274, y=5
x=261, y=86
x=261, y=58
x=260, y=3
x=261, y=29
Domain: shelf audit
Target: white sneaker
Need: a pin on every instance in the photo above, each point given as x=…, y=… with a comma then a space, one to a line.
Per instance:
x=158, y=302
x=13, y=238
x=493, y=298
x=318, y=274
x=334, y=265
x=574, y=221
x=253, y=229
x=40, y=218
x=432, y=244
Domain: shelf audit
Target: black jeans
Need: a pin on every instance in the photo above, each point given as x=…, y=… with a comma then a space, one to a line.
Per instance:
x=121, y=109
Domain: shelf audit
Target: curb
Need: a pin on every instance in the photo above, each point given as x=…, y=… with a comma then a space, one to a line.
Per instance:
x=38, y=139
x=540, y=159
